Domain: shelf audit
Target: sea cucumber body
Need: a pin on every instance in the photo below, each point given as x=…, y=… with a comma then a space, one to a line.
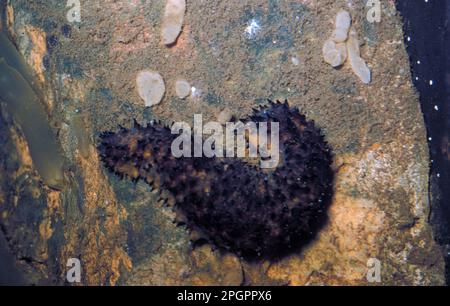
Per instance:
x=236, y=205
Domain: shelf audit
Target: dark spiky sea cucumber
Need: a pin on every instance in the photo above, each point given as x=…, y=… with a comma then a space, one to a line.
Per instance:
x=235, y=205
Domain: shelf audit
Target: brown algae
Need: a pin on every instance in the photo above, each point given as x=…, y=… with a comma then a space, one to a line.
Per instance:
x=26, y=107
x=14, y=59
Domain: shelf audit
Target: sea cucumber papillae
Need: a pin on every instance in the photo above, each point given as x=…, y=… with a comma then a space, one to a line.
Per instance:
x=235, y=205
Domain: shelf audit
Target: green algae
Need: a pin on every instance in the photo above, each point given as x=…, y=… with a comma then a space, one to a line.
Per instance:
x=24, y=104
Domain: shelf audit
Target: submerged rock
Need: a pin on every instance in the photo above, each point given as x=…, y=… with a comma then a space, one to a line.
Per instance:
x=380, y=206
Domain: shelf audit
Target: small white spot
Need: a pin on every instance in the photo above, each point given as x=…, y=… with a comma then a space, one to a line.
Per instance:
x=418, y=62
x=438, y=175
x=430, y=138
x=436, y=107
x=408, y=38
x=274, y=41
x=426, y=1
x=295, y=61
x=417, y=78
x=195, y=92
x=252, y=28
x=431, y=82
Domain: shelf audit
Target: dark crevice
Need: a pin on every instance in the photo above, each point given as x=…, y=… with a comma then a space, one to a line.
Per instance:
x=425, y=26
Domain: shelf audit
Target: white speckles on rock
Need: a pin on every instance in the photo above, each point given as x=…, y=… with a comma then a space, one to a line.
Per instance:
x=182, y=88
x=252, y=28
x=150, y=86
x=334, y=53
x=173, y=20
x=358, y=65
x=343, y=21
x=295, y=61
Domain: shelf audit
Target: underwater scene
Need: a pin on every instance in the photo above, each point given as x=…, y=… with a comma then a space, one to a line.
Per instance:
x=224, y=143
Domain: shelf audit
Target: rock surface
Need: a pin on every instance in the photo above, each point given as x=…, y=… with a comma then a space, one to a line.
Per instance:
x=123, y=233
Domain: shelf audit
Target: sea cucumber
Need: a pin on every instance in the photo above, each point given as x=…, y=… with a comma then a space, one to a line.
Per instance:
x=236, y=206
